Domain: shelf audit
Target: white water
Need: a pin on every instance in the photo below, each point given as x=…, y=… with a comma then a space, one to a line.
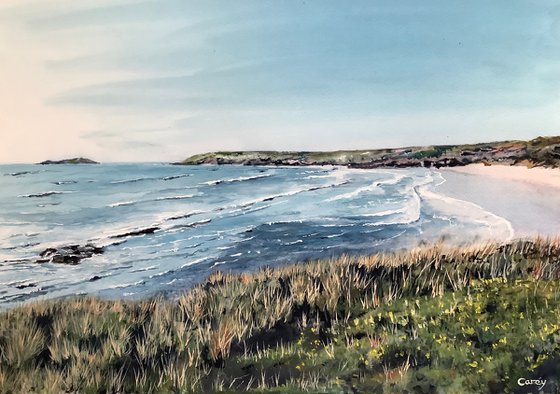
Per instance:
x=212, y=217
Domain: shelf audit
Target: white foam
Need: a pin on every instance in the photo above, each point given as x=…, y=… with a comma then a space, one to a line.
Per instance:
x=180, y=197
x=195, y=262
x=123, y=203
x=386, y=213
x=307, y=188
x=239, y=179
x=335, y=235
x=370, y=188
x=245, y=210
x=162, y=273
x=467, y=210
x=284, y=222
x=299, y=241
x=151, y=267
x=124, y=285
x=339, y=225
x=394, y=181
x=409, y=214
x=128, y=180
x=172, y=177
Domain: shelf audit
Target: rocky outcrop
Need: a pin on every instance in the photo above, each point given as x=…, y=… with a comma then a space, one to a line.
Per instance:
x=143, y=231
x=70, y=255
x=74, y=254
x=76, y=160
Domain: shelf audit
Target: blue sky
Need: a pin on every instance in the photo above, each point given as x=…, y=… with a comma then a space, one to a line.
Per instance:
x=160, y=80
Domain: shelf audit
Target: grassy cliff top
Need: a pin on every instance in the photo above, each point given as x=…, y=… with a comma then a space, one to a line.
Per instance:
x=434, y=319
x=540, y=151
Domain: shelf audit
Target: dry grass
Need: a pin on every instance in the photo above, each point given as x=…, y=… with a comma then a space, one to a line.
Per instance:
x=185, y=345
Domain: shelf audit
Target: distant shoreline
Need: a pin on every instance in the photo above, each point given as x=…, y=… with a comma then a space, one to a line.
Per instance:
x=539, y=152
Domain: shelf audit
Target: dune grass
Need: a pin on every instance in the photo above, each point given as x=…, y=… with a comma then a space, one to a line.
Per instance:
x=455, y=319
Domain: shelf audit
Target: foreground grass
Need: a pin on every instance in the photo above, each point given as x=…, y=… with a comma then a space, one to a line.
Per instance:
x=457, y=320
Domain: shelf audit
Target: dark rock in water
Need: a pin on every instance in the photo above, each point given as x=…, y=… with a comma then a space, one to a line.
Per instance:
x=71, y=255
x=39, y=195
x=18, y=173
x=75, y=160
x=122, y=241
x=25, y=285
x=94, y=278
x=171, y=177
x=149, y=230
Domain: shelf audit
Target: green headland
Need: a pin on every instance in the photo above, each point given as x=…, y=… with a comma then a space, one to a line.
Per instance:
x=542, y=151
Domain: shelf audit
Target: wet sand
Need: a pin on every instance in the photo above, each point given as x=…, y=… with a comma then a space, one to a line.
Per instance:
x=529, y=198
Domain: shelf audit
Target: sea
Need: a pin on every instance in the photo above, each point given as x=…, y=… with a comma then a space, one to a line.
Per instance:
x=209, y=217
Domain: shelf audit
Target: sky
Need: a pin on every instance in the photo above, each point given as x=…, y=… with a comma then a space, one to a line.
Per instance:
x=121, y=80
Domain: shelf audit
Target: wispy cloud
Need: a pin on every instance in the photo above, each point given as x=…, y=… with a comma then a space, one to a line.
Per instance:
x=222, y=73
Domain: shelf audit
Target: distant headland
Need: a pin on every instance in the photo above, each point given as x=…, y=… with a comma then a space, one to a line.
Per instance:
x=541, y=151
x=75, y=160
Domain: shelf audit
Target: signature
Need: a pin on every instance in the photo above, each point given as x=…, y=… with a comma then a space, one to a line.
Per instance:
x=532, y=382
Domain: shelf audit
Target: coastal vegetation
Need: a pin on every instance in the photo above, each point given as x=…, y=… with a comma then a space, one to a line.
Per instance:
x=472, y=319
x=542, y=151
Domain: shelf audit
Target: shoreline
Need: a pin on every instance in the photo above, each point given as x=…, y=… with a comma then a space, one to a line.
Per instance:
x=475, y=201
x=528, y=198
x=541, y=151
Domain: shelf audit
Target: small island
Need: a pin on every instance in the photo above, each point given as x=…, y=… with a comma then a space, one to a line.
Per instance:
x=541, y=151
x=75, y=160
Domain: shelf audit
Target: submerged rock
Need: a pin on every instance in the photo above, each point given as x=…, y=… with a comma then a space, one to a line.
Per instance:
x=25, y=285
x=70, y=255
x=149, y=230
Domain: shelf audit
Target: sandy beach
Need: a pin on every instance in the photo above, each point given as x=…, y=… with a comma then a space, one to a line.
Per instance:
x=527, y=197
x=538, y=176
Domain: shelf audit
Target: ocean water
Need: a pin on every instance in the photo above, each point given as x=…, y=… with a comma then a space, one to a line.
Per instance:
x=231, y=218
